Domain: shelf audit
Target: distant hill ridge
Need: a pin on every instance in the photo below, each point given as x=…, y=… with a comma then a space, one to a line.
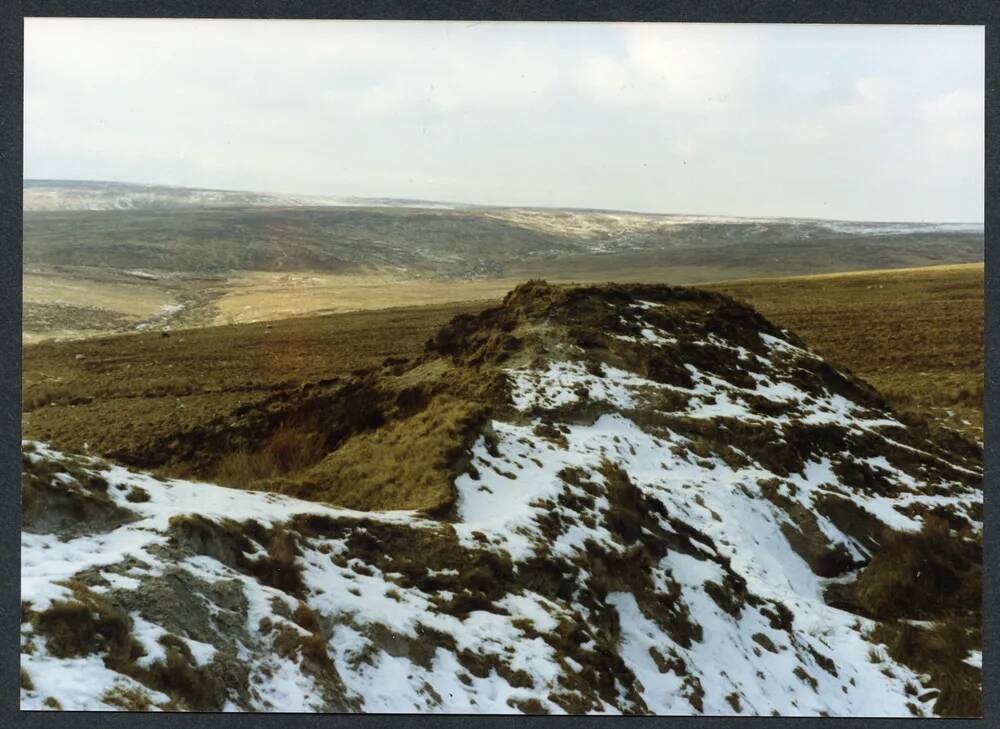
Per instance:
x=45, y=194
x=181, y=230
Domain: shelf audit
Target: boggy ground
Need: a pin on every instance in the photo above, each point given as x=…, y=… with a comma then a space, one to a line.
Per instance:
x=632, y=498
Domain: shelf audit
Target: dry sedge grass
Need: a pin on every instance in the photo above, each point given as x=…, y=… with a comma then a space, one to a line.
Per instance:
x=933, y=575
x=940, y=651
x=126, y=391
x=405, y=464
x=290, y=449
x=927, y=575
x=138, y=300
x=261, y=296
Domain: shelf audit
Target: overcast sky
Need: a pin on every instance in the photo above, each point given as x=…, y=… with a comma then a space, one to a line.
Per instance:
x=853, y=122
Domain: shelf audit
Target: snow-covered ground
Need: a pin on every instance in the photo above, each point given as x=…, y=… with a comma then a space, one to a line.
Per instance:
x=602, y=566
x=615, y=228
x=87, y=195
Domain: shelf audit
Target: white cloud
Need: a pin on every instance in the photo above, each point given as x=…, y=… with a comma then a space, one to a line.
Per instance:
x=677, y=65
x=876, y=90
x=958, y=105
x=607, y=79
x=684, y=147
x=874, y=102
x=810, y=132
x=696, y=65
x=956, y=119
x=785, y=120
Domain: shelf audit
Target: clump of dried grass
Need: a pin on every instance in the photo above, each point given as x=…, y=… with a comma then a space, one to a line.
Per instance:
x=408, y=463
x=923, y=575
x=289, y=450
x=939, y=651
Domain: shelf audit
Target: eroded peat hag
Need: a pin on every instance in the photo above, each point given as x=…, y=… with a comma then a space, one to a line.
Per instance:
x=617, y=498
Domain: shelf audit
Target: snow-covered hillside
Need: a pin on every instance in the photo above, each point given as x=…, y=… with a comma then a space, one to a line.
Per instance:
x=162, y=230
x=616, y=229
x=54, y=195
x=66, y=195
x=613, y=230
x=673, y=507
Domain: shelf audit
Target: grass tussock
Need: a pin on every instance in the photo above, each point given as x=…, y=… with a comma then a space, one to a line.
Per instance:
x=127, y=699
x=408, y=463
x=177, y=676
x=935, y=574
x=289, y=450
x=86, y=624
x=923, y=575
x=278, y=568
x=939, y=651
x=137, y=495
x=309, y=647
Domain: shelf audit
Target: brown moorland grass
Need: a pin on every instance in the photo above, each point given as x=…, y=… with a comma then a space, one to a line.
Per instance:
x=939, y=650
x=914, y=334
x=932, y=575
x=925, y=575
x=407, y=463
x=117, y=393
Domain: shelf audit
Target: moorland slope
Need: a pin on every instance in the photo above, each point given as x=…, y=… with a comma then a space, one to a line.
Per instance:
x=915, y=335
x=617, y=498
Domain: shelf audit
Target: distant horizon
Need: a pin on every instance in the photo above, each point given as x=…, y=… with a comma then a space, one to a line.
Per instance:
x=466, y=203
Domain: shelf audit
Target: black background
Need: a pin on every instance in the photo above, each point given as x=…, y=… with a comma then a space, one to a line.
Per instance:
x=12, y=12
